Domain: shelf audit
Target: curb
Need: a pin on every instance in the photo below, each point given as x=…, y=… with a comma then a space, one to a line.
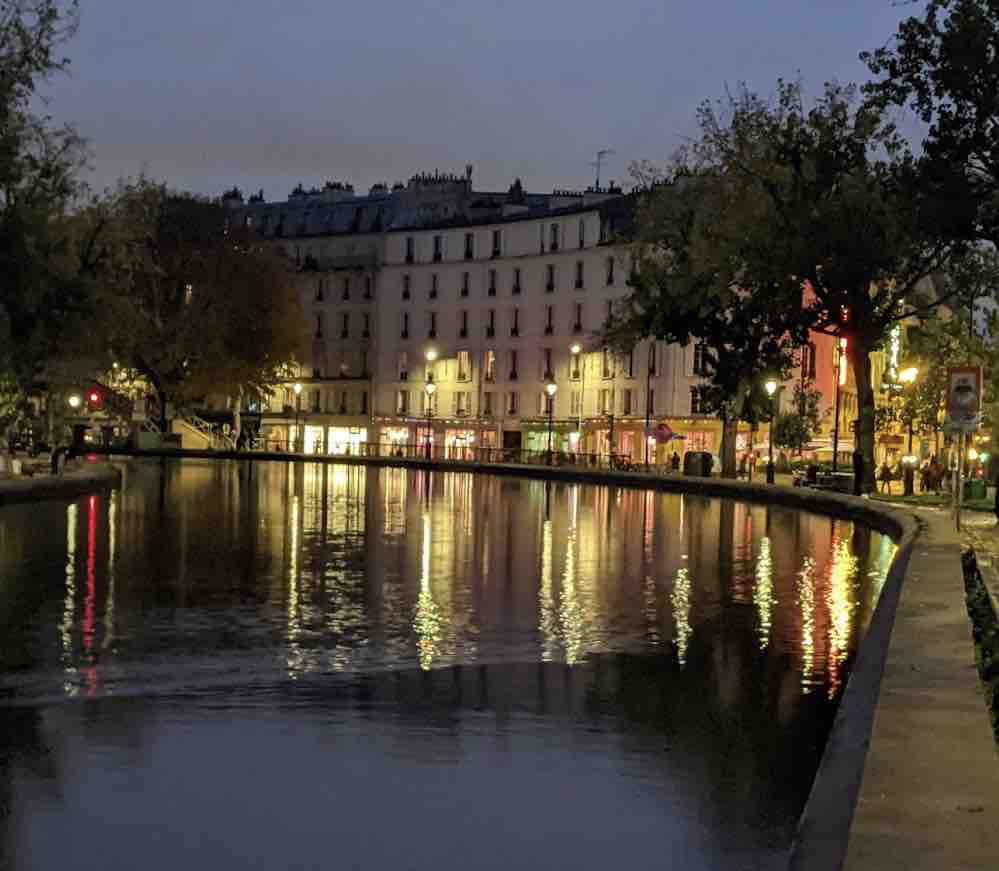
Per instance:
x=93, y=476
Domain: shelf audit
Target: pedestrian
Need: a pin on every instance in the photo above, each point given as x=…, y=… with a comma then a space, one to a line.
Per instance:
x=675, y=462
x=885, y=477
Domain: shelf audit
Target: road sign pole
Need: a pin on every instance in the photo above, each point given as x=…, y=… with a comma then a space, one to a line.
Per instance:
x=959, y=495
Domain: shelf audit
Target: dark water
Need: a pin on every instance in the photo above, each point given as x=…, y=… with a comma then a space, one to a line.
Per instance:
x=333, y=667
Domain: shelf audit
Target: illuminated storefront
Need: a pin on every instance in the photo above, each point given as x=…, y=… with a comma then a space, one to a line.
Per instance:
x=347, y=440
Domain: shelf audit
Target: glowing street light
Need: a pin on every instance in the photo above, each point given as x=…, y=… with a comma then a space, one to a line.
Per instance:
x=430, y=389
x=771, y=388
x=297, y=389
x=907, y=377
x=74, y=400
x=551, y=388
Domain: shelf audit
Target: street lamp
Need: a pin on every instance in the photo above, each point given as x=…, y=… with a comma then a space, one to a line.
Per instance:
x=550, y=388
x=74, y=401
x=576, y=350
x=430, y=389
x=907, y=377
x=297, y=388
x=771, y=388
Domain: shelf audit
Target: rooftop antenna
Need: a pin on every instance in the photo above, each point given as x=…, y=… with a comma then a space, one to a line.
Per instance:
x=598, y=163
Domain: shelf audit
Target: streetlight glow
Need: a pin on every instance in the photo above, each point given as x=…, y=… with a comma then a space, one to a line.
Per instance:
x=908, y=376
x=298, y=389
x=74, y=400
x=771, y=387
x=972, y=454
x=431, y=355
x=575, y=348
x=550, y=388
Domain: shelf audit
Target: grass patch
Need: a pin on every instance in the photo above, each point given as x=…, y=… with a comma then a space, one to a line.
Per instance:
x=985, y=630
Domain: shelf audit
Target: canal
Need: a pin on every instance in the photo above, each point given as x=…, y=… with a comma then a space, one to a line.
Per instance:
x=322, y=666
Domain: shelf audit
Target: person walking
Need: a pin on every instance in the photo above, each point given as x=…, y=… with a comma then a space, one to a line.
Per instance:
x=885, y=477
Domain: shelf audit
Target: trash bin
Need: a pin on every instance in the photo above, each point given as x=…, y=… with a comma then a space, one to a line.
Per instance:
x=974, y=489
x=697, y=463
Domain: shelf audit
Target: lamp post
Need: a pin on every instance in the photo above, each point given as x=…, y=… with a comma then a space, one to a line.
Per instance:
x=907, y=377
x=841, y=350
x=297, y=388
x=650, y=365
x=550, y=388
x=771, y=388
x=430, y=389
x=576, y=350
x=74, y=401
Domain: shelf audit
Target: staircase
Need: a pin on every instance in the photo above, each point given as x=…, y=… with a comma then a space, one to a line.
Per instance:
x=199, y=434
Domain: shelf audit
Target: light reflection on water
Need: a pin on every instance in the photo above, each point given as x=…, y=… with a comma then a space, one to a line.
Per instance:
x=205, y=579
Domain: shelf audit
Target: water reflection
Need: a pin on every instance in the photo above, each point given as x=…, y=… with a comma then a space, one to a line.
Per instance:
x=616, y=621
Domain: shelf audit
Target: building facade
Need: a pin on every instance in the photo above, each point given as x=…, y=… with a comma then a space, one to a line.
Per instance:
x=472, y=320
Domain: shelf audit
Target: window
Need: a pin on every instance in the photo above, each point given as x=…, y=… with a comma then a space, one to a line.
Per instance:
x=366, y=330
x=512, y=402
x=610, y=271
x=403, y=366
x=315, y=401
x=652, y=358
x=487, y=403
x=364, y=363
x=489, y=366
x=492, y=282
x=461, y=402
x=808, y=360
x=604, y=229
x=541, y=237
x=410, y=249
x=629, y=364
x=576, y=403
x=463, y=329
x=345, y=325
x=406, y=286
x=579, y=274
x=464, y=283
x=606, y=401
x=547, y=370
x=402, y=402
x=469, y=246
x=513, y=365
x=464, y=366
x=319, y=289
x=515, y=323
x=346, y=289
x=626, y=400
x=364, y=402
x=516, y=281
x=342, y=406
x=610, y=310
x=607, y=368
x=405, y=325
x=497, y=243
x=582, y=232
x=431, y=325
x=650, y=401
x=367, y=287
x=553, y=237
x=696, y=401
x=546, y=403
x=433, y=286
x=577, y=324
x=319, y=325
x=550, y=278
x=549, y=317
x=491, y=324
x=344, y=370
x=701, y=366
x=438, y=249
x=575, y=366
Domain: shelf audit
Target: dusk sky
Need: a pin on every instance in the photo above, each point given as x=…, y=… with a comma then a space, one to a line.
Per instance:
x=267, y=93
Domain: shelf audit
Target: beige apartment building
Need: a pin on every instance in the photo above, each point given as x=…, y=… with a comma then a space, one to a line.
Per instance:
x=471, y=320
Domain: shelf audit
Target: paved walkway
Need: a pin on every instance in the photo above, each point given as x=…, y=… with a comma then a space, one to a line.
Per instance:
x=930, y=793
x=82, y=477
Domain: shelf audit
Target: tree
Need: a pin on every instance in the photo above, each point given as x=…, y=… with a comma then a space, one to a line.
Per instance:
x=687, y=287
x=41, y=298
x=828, y=199
x=942, y=65
x=185, y=303
x=794, y=430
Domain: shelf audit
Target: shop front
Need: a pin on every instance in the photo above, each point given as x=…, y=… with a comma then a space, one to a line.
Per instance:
x=347, y=440
x=459, y=444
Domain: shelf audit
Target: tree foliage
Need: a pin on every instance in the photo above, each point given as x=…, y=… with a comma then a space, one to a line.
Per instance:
x=184, y=303
x=794, y=430
x=826, y=199
x=42, y=298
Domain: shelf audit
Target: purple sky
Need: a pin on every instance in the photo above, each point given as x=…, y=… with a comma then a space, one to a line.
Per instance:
x=266, y=93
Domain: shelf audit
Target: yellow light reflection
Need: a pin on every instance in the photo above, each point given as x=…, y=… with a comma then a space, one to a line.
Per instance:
x=840, y=603
x=112, y=553
x=69, y=602
x=294, y=616
x=806, y=603
x=547, y=622
x=763, y=592
x=427, y=621
x=570, y=611
x=649, y=592
x=680, y=600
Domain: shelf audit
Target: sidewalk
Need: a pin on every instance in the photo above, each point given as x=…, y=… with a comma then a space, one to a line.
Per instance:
x=930, y=793
x=83, y=477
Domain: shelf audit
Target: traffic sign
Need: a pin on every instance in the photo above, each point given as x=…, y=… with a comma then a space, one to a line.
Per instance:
x=964, y=398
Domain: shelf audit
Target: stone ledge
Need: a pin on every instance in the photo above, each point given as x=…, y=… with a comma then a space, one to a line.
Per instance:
x=85, y=478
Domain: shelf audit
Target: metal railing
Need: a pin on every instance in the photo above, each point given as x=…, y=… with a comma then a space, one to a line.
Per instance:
x=470, y=454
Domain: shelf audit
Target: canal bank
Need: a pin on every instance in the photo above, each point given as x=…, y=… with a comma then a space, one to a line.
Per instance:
x=909, y=775
x=83, y=477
